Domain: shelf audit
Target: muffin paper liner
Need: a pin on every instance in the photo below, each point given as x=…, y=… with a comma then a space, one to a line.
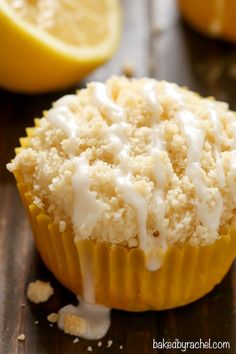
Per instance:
x=119, y=275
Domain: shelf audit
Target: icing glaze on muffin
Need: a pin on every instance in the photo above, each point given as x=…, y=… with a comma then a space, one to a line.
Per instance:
x=139, y=163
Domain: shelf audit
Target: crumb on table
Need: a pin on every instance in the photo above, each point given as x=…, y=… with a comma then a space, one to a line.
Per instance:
x=39, y=291
x=74, y=325
x=52, y=317
x=109, y=343
x=21, y=337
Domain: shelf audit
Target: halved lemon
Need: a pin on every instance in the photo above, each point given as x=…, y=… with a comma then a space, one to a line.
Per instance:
x=51, y=44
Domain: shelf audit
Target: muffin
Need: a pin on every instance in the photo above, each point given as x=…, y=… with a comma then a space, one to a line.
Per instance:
x=130, y=188
x=215, y=18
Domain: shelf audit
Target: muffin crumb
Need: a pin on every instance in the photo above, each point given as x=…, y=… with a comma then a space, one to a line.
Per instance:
x=74, y=325
x=109, y=343
x=76, y=340
x=89, y=349
x=52, y=317
x=21, y=337
x=39, y=291
x=36, y=322
x=99, y=344
x=121, y=347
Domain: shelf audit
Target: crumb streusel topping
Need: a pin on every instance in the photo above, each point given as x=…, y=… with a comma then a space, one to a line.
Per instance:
x=139, y=163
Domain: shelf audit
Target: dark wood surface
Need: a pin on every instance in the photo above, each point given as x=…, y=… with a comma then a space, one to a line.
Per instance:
x=157, y=44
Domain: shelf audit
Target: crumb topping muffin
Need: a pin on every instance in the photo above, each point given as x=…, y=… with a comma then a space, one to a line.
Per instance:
x=137, y=163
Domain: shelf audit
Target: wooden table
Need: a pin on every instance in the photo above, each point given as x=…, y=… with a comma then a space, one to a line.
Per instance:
x=157, y=44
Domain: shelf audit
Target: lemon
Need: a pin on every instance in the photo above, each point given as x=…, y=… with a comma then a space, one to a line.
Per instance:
x=213, y=17
x=51, y=44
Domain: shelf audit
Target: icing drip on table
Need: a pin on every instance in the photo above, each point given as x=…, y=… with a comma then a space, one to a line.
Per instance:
x=96, y=318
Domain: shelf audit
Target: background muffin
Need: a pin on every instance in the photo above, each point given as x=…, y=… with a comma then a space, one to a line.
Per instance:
x=213, y=17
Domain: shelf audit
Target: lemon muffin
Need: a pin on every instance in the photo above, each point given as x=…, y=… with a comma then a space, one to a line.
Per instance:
x=130, y=187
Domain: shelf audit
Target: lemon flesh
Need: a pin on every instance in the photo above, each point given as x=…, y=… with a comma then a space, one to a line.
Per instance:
x=51, y=44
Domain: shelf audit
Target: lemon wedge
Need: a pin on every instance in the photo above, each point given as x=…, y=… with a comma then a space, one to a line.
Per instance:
x=51, y=44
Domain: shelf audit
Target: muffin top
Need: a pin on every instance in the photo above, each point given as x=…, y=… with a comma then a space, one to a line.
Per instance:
x=139, y=163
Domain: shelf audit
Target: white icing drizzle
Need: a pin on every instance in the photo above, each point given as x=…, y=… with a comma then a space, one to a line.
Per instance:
x=216, y=129
x=232, y=121
x=150, y=95
x=194, y=135
x=123, y=178
x=123, y=174
x=86, y=211
x=139, y=203
x=61, y=117
x=162, y=177
x=87, y=275
x=106, y=104
x=219, y=168
x=156, y=151
x=87, y=208
x=233, y=175
x=173, y=93
x=67, y=100
x=209, y=216
x=97, y=318
x=116, y=136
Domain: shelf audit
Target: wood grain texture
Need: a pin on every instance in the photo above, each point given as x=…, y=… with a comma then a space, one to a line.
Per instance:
x=158, y=44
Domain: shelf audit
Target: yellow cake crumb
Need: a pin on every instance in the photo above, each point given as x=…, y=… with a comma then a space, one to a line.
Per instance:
x=39, y=291
x=21, y=337
x=52, y=317
x=109, y=343
x=74, y=325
